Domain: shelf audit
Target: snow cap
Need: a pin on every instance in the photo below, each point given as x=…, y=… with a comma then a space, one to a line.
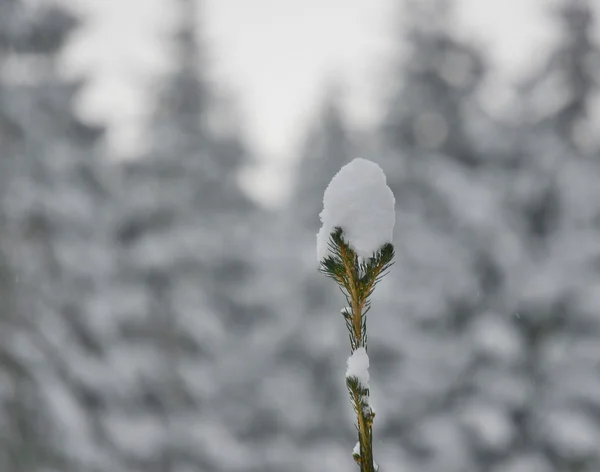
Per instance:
x=359, y=201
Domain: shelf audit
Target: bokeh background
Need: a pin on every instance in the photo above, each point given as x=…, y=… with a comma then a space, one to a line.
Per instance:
x=162, y=166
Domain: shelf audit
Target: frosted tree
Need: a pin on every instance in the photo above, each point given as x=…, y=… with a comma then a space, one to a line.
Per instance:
x=440, y=77
x=187, y=267
x=54, y=240
x=519, y=238
x=327, y=146
x=436, y=144
x=299, y=403
x=552, y=286
x=441, y=152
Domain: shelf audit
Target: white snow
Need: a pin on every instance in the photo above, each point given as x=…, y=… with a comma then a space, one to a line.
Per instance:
x=358, y=366
x=359, y=201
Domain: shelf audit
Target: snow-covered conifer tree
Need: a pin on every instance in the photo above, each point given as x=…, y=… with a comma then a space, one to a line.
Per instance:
x=452, y=244
x=53, y=194
x=186, y=266
x=553, y=286
x=328, y=145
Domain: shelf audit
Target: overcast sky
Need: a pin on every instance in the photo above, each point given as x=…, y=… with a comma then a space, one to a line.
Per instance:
x=276, y=54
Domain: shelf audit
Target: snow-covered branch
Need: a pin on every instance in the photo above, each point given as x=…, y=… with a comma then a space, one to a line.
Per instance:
x=354, y=248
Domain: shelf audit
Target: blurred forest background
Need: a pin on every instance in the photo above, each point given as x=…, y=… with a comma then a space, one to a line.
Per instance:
x=155, y=318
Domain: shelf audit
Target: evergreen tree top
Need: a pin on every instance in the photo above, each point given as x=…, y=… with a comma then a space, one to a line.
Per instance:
x=326, y=148
x=436, y=53
x=26, y=29
x=434, y=102
x=183, y=98
x=558, y=94
x=184, y=141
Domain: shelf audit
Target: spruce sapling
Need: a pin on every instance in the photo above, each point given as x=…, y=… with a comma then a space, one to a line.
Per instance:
x=358, y=217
